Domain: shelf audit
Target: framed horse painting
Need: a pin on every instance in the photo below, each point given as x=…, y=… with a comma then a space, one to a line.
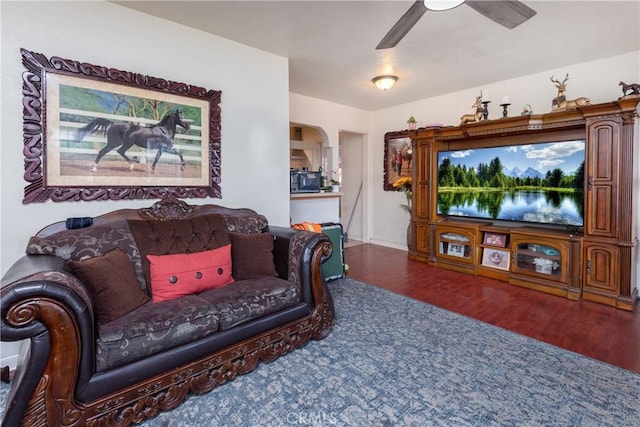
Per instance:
x=398, y=158
x=98, y=133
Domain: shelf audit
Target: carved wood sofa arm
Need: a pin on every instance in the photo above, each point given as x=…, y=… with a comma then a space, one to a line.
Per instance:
x=42, y=302
x=293, y=251
x=298, y=255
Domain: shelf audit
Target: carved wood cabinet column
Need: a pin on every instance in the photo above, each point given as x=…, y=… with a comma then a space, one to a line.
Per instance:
x=610, y=236
x=422, y=194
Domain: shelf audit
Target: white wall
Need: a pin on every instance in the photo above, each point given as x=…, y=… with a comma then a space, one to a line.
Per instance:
x=597, y=80
x=334, y=118
x=255, y=105
x=330, y=117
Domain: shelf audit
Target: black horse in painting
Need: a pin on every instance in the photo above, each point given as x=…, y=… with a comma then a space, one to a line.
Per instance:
x=126, y=135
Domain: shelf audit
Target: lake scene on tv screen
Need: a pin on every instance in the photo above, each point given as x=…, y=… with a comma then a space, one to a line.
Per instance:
x=538, y=183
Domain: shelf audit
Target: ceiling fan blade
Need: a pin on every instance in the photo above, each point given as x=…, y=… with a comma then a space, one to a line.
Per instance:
x=402, y=27
x=507, y=13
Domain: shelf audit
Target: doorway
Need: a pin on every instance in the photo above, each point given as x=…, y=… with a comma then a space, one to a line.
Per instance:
x=352, y=155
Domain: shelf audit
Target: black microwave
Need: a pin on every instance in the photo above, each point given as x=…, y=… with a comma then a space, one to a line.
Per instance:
x=303, y=181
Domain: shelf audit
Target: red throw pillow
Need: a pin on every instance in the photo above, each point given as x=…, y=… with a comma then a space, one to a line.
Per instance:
x=173, y=276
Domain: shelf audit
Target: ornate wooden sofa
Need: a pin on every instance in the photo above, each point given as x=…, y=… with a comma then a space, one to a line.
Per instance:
x=79, y=366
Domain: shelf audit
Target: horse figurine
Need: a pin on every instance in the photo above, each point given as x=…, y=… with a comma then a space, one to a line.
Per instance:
x=633, y=87
x=475, y=117
x=125, y=135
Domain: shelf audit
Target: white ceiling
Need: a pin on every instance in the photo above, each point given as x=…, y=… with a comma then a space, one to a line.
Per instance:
x=331, y=44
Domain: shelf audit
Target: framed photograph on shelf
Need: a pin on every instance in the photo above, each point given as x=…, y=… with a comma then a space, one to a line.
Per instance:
x=97, y=133
x=455, y=249
x=495, y=258
x=495, y=239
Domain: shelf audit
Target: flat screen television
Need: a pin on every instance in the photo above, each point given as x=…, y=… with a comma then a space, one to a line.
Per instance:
x=537, y=183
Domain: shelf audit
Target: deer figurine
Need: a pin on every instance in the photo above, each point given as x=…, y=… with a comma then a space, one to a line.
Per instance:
x=562, y=87
x=475, y=117
x=560, y=103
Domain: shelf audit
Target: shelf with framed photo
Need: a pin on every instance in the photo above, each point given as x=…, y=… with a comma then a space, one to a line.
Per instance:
x=498, y=240
x=495, y=263
x=496, y=258
x=495, y=253
x=456, y=243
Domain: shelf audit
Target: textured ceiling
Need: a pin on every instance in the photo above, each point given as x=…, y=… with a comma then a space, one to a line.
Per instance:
x=331, y=44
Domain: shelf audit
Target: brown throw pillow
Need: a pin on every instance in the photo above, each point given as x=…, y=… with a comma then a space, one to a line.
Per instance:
x=112, y=282
x=252, y=255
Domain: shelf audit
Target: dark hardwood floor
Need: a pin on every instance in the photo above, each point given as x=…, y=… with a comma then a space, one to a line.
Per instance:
x=595, y=330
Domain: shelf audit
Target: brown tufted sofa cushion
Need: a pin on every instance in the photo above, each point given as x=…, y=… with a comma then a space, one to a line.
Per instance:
x=152, y=328
x=246, y=300
x=154, y=237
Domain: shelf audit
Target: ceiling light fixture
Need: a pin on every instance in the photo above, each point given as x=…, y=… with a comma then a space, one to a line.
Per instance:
x=442, y=4
x=384, y=82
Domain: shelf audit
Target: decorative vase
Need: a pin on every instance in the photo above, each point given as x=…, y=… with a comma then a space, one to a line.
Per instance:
x=412, y=125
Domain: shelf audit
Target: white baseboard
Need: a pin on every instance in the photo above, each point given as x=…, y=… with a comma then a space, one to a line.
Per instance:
x=402, y=247
x=10, y=353
x=353, y=237
x=10, y=361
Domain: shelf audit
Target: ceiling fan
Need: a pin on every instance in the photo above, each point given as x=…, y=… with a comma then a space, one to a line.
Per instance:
x=507, y=13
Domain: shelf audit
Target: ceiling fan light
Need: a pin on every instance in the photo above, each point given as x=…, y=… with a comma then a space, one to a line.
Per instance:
x=437, y=5
x=384, y=82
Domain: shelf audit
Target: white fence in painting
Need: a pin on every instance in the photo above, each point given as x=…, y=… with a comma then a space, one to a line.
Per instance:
x=182, y=141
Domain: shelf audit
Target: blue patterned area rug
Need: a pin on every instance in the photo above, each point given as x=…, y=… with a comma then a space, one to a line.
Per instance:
x=394, y=361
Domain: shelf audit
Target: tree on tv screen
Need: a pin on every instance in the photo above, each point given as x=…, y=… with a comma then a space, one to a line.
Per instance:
x=492, y=175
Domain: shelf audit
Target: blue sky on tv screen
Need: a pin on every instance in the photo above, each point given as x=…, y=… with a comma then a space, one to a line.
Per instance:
x=565, y=155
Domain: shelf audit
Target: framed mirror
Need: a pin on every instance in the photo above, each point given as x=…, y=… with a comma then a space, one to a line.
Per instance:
x=398, y=159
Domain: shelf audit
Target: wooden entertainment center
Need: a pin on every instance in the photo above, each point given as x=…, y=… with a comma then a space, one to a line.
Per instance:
x=595, y=262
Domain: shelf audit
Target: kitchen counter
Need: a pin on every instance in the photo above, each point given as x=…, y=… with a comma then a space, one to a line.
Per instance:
x=315, y=207
x=298, y=196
